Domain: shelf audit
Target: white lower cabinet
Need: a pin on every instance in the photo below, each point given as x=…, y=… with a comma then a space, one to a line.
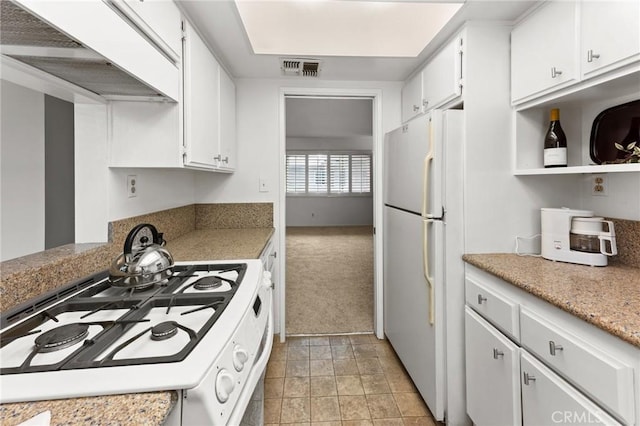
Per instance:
x=549, y=400
x=493, y=374
x=556, y=369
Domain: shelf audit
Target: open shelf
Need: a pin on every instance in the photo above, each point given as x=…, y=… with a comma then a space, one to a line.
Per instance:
x=605, y=168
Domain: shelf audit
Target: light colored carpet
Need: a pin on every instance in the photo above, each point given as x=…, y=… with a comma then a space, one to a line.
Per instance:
x=329, y=280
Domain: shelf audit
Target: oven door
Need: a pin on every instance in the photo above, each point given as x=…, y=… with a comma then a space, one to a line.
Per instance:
x=249, y=410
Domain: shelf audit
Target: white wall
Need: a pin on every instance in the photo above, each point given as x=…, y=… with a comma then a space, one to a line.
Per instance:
x=355, y=143
x=622, y=199
x=157, y=189
x=22, y=173
x=92, y=196
x=329, y=211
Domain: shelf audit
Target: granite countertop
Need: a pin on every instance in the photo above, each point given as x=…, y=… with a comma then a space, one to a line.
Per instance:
x=141, y=408
x=607, y=297
x=220, y=244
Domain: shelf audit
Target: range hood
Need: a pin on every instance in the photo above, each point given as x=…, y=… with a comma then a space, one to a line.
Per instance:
x=32, y=40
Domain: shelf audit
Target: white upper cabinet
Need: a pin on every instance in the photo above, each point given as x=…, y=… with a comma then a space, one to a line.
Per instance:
x=442, y=77
x=543, y=51
x=201, y=102
x=227, y=109
x=412, y=98
x=160, y=20
x=198, y=132
x=610, y=32
x=209, y=108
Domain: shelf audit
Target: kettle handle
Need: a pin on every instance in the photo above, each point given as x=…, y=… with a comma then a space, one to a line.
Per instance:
x=608, y=236
x=128, y=242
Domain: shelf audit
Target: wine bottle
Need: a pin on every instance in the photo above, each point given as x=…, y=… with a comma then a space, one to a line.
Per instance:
x=555, y=142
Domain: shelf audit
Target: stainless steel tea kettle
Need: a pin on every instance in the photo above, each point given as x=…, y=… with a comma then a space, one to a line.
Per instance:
x=144, y=262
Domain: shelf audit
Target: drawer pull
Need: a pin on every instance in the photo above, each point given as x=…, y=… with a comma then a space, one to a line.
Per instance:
x=497, y=353
x=555, y=72
x=481, y=299
x=553, y=347
x=527, y=378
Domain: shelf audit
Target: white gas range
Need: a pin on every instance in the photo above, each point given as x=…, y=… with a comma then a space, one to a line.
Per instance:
x=206, y=332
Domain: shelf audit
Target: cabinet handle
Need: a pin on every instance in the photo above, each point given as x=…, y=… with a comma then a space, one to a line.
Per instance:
x=497, y=353
x=416, y=108
x=553, y=347
x=274, y=254
x=218, y=157
x=555, y=72
x=425, y=103
x=591, y=56
x=481, y=299
x=225, y=160
x=527, y=378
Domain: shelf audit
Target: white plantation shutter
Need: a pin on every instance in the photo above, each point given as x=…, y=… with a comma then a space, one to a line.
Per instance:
x=360, y=173
x=296, y=173
x=317, y=164
x=324, y=174
x=339, y=166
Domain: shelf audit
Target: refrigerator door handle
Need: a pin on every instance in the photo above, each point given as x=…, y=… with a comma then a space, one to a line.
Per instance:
x=426, y=170
x=425, y=264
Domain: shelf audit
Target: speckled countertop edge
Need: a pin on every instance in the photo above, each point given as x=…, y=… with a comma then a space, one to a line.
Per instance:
x=607, y=297
x=131, y=409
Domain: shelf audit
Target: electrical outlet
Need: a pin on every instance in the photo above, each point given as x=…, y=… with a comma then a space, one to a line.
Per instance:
x=132, y=182
x=598, y=185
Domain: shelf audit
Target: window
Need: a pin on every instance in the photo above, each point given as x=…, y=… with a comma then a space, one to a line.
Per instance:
x=296, y=174
x=321, y=173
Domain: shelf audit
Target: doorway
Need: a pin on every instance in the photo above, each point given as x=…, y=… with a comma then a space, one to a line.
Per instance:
x=331, y=266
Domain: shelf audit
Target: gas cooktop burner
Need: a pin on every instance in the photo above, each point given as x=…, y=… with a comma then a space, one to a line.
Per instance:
x=61, y=337
x=164, y=330
x=208, y=283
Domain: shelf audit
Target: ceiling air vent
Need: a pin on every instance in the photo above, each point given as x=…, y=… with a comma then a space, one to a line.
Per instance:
x=300, y=67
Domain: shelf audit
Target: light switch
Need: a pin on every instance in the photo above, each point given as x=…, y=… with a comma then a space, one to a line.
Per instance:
x=264, y=185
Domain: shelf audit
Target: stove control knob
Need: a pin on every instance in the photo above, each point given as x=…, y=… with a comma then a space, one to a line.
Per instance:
x=224, y=385
x=240, y=358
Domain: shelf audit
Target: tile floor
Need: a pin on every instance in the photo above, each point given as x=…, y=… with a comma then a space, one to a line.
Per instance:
x=340, y=380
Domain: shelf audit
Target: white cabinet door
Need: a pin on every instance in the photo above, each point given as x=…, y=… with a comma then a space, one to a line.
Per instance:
x=160, y=20
x=543, y=50
x=412, y=98
x=548, y=400
x=610, y=33
x=227, y=148
x=201, y=102
x=493, y=374
x=441, y=78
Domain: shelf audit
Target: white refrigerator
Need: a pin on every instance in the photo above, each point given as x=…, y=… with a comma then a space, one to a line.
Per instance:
x=423, y=247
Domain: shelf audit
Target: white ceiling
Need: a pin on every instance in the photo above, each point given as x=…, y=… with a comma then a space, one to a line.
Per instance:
x=343, y=28
x=218, y=21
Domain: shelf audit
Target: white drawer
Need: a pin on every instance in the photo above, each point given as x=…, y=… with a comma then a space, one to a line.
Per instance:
x=497, y=309
x=549, y=400
x=606, y=379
